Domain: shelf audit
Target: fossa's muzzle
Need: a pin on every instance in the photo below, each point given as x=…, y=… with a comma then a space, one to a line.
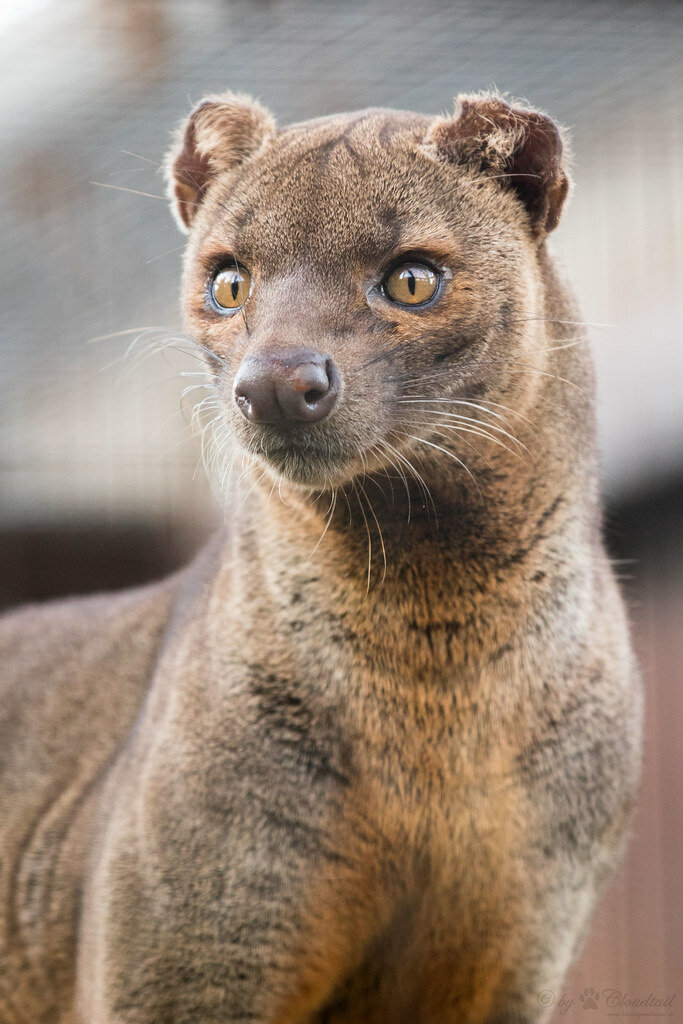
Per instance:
x=286, y=387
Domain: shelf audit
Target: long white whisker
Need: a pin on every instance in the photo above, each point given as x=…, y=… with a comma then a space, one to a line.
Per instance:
x=480, y=403
x=419, y=400
x=389, y=450
x=374, y=449
x=118, y=334
x=458, y=431
x=367, y=530
x=445, y=451
x=426, y=492
x=379, y=531
x=477, y=427
x=328, y=519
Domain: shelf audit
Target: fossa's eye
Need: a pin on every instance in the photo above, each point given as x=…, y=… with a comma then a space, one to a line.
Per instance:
x=230, y=287
x=411, y=284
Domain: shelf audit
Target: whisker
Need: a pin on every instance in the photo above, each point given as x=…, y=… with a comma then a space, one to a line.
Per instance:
x=243, y=310
x=478, y=424
x=348, y=505
x=481, y=403
x=367, y=530
x=446, y=334
x=328, y=519
x=254, y=485
x=379, y=530
x=525, y=368
x=194, y=387
x=371, y=478
x=398, y=469
x=422, y=485
x=460, y=401
x=172, y=342
x=512, y=363
x=374, y=450
x=448, y=370
x=118, y=334
x=127, y=170
x=445, y=451
x=138, y=156
x=135, y=191
x=270, y=495
x=458, y=429
x=168, y=252
x=448, y=437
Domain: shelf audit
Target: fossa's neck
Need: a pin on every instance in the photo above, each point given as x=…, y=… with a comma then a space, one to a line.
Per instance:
x=418, y=584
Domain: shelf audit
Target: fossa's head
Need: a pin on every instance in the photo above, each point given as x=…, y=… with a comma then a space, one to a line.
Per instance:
x=354, y=274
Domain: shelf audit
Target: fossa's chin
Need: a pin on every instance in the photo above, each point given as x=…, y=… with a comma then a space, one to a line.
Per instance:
x=309, y=470
x=307, y=457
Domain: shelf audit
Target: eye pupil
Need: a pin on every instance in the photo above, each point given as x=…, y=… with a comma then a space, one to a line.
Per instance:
x=235, y=287
x=411, y=282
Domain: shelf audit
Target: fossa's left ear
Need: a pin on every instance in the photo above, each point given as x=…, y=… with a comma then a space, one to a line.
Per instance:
x=523, y=148
x=221, y=132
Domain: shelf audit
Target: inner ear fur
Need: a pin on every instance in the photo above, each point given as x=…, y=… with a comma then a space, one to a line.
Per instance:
x=220, y=133
x=523, y=148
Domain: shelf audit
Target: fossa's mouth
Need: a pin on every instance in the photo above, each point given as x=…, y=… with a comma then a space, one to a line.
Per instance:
x=309, y=458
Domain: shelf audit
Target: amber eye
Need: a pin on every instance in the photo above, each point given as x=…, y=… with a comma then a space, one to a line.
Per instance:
x=411, y=284
x=230, y=287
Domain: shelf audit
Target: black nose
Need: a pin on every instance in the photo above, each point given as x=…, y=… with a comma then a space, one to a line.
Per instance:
x=286, y=386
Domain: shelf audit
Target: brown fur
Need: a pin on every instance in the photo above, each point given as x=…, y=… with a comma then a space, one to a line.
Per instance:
x=380, y=773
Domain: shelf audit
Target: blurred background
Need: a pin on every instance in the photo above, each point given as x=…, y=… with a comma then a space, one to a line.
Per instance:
x=99, y=485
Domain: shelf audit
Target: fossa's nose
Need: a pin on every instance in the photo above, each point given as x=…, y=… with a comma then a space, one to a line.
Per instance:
x=287, y=386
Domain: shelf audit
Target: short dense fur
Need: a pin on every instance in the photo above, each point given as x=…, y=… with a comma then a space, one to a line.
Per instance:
x=372, y=756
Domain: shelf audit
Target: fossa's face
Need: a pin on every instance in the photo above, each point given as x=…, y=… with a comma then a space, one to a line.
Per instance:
x=362, y=300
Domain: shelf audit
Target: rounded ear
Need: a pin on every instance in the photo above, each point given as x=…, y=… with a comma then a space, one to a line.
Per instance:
x=523, y=148
x=221, y=132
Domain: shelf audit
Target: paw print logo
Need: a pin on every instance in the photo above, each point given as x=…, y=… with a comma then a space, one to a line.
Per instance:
x=589, y=998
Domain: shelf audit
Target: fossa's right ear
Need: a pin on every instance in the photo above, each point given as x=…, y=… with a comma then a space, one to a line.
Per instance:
x=221, y=132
